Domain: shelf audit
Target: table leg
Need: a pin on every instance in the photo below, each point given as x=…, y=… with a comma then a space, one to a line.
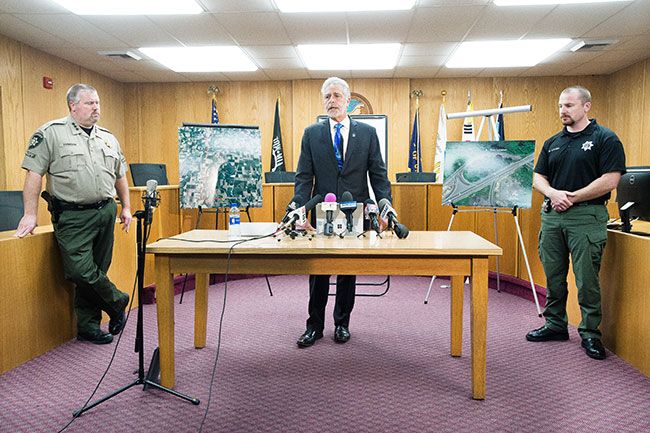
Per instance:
x=457, y=286
x=165, y=311
x=200, y=309
x=479, y=325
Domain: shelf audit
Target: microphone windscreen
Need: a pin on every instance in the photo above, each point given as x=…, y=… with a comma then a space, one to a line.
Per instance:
x=346, y=196
x=313, y=202
x=152, y=185
x=330, y=198
x=383, y=203
x=401, y=231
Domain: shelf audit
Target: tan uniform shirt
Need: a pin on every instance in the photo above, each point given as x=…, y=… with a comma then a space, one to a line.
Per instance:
x=80, y=168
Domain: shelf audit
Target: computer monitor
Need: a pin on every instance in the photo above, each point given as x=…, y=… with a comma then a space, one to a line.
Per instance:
x=633, y=196
x=141, y=173
x=11, y=209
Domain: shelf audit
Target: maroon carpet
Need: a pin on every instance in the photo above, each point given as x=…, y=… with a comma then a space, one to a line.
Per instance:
x=395, y=374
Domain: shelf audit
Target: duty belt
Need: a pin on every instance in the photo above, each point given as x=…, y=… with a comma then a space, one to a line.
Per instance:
x=64, y=205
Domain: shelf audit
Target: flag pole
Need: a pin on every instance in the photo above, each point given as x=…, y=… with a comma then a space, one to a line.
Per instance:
x=417, y=94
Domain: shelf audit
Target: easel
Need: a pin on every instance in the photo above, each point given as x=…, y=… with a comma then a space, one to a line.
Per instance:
x=492, y=132
x=495, y=210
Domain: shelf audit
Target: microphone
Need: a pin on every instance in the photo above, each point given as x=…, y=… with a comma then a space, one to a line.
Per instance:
x=348, y=206
x=150, y=199
x=290, y=207
x=329, y=206
x=300, y=215
x=389, y=214
x=371, y=212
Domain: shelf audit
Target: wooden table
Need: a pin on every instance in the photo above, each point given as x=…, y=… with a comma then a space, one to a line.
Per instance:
x=456, y=254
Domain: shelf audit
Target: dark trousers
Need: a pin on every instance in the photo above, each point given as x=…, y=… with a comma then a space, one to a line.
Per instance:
x=319, y=286
x=85, y=239
x=579, y=233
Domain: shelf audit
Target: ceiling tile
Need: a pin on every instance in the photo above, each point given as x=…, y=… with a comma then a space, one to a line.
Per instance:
x=444, y=72
x=254, y=28
x=635, y=17
x=28, y=34
x=271, y=51
x=74, y=29
x=31, y=6
x=287, y=74
x=429, y=49
x=238, y=5
x=416, y=72
x=280, y=63
x=447, y=23
x=387, y=73
x=379, y=27
x=194, y=30
x=596, y=68
x=506, y=22
x=311, y=28
x=422, y=61
x=135, y=31
x=258, y=75
x=573, y=21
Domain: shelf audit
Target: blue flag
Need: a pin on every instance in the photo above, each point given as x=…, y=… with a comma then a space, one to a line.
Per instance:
x=215, y=113
x=415, y=154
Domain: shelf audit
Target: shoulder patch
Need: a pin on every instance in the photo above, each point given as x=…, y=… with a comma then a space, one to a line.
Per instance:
x=36, y=140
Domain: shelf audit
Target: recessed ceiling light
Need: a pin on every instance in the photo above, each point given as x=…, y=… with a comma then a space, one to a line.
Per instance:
x=292, y=6
x=131, y=7
x=549, y=2
x=349, y=57
x=504, y=54
x=201, y=59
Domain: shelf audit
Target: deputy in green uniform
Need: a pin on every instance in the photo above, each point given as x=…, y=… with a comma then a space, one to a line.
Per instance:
x=576, y=171
x=84, y=167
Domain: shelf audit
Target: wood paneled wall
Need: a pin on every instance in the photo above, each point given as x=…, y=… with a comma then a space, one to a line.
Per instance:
x=26, y=105
x=145, y=117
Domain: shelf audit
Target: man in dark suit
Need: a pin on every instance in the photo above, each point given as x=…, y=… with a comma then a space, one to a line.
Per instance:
x=337, y=155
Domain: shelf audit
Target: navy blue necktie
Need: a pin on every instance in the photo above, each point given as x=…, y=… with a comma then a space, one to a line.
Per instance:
x=338, y=145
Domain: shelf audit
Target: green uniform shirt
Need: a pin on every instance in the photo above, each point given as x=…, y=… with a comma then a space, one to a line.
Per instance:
x=80, y=168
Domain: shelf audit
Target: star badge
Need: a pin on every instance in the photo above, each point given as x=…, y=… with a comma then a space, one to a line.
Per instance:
x=587, y=145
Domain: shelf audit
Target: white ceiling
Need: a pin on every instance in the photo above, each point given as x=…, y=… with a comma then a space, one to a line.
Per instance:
x=429, y=33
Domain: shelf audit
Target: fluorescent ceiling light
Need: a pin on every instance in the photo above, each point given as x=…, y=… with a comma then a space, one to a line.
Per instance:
x=291, y=6
x=201, y=59
x=349, y=57
x=549, y=2
x=131, y=7
x=504, y=54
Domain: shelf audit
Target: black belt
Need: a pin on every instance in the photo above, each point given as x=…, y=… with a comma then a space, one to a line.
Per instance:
x=590, y=203
x=65, y=205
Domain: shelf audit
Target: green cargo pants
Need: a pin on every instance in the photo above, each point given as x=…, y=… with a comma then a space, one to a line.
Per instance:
x=580, y=232
x=85, y=238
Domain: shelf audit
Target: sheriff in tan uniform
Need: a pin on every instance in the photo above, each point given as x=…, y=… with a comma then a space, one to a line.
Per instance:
x=84, y=168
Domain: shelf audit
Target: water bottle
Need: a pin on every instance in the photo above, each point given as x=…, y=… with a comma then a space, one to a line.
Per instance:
x=234, y=222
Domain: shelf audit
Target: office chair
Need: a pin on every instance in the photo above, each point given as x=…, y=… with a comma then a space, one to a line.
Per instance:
x=11, y=209
x=141, y=173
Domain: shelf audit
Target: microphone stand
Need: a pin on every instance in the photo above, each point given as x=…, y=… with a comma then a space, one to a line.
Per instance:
x=144, y=218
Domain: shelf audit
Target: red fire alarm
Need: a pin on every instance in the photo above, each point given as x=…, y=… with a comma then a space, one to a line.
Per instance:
x=48, y=83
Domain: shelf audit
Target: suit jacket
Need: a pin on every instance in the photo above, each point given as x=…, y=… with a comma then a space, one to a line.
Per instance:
x=318, y=173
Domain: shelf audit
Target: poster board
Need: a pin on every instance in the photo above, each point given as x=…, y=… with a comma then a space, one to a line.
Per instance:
x=219, y=165
x=489, y=173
